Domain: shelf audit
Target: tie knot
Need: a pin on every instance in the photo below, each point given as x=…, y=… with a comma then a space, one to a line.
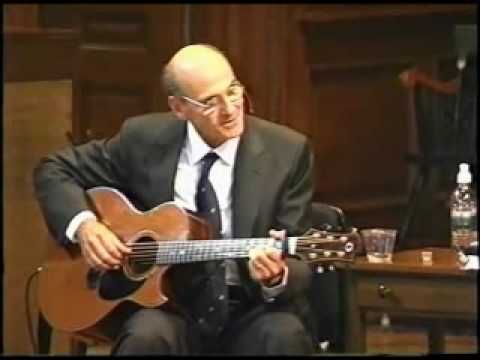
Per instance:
x=207, y=161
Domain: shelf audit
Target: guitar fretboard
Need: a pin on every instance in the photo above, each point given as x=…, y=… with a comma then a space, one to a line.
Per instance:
x=177, y=252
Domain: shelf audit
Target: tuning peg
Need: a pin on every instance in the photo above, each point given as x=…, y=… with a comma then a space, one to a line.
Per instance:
x=326, y=227
x=322, y=233
x=349, y=247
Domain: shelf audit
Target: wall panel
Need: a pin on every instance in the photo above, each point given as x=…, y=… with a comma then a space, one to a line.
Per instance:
x=122, y=51
x=107, y=107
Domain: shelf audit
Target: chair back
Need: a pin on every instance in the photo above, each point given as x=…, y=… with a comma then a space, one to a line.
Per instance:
x=435, y=123
x=444, y=121
x=326, y=296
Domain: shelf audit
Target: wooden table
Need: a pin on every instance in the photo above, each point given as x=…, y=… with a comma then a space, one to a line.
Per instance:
x=435, y=294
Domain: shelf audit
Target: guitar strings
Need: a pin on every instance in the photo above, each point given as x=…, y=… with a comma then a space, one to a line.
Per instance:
x=191, y=254
x=212, y=242
x=218, y=242
x=169, y=257
x=187, y=252
x=198, y=257
x=194, y=252
x=157, y=248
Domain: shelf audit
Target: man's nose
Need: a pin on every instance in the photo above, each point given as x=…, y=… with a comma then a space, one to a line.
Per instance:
x=227, y=106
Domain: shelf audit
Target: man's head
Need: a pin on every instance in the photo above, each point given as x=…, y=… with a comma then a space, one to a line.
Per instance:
x=203, y=89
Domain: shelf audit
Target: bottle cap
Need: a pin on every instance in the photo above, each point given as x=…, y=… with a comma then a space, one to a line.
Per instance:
x=464, y=176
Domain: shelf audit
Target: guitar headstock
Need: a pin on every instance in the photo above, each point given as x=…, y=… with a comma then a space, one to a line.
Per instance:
x=323, y=246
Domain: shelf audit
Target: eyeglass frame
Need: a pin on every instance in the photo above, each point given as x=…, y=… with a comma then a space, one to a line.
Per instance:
x=211, y=108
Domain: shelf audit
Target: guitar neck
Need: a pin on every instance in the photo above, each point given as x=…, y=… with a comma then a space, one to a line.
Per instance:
x=178, y=252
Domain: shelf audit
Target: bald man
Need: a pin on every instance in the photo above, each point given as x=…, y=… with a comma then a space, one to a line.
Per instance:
x=262, y=178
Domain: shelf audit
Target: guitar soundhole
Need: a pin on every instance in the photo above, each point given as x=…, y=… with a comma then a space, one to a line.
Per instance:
x=115, y=285
x=143, y=256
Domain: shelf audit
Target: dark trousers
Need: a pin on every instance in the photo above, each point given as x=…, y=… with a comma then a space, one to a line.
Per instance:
x=250, y=331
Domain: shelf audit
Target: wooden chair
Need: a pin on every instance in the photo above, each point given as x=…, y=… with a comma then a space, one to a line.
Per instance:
x=78, y=344
x=326, y=291
x=440, y=129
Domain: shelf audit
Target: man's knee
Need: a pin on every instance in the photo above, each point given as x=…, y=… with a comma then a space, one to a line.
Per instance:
x=283, y=325
x=284, y=332
x=151, y=331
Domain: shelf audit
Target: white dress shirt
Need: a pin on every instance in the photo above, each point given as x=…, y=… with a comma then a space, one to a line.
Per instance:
x=185, y=187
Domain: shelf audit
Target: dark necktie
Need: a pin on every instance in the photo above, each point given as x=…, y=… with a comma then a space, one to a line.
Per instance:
x=214, y=311
x=206, y=199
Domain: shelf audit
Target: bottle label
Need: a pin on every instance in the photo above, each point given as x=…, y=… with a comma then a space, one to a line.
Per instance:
x=464, y=226
x=463, y=219
x=463, y=214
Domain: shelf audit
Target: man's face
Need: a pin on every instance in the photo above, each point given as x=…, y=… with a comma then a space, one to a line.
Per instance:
x=213, y=102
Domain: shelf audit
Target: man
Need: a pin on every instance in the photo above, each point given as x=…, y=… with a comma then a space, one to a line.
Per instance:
x=262, y=178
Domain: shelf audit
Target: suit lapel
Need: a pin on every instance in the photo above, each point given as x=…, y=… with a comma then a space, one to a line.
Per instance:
x=164, y=160
x=248, y=182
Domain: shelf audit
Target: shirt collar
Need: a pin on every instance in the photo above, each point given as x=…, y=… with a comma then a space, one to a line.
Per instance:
x=197, y=148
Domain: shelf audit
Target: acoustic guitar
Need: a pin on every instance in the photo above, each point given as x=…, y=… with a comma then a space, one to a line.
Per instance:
x=161, y=237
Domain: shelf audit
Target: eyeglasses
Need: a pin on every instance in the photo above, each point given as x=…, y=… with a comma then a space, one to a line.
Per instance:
x=234, y=96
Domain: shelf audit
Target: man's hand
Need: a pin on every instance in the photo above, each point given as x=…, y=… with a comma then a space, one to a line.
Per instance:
x=266, y=265
x=101, y=248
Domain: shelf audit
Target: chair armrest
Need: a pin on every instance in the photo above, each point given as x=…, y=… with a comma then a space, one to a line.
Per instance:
x=327, y=217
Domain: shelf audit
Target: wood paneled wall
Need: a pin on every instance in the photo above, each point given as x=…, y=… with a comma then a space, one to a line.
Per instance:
x=40, y=42
x=120, y=56
x=15, y=16
x=36, y=116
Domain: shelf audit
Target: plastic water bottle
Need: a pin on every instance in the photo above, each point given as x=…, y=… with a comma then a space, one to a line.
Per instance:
x=463, y=210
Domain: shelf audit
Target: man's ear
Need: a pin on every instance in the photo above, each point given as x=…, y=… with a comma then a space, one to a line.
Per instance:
x=177, y=107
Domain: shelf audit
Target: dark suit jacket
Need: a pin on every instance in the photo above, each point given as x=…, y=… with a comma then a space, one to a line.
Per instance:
x=272, y=185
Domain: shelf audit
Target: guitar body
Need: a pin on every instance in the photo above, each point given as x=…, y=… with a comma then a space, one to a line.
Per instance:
x=74, y=297
x=71, y=304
